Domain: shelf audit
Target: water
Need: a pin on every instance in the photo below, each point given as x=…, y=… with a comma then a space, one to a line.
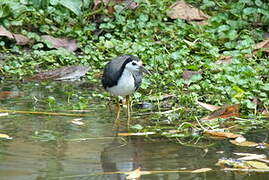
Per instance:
x=52, y=147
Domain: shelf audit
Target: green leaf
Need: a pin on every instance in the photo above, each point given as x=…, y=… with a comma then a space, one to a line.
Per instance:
x=248, y=11
x=74, y=6
x=196, y=77
x=266, y=87
x=137, y=127
x=232, y=34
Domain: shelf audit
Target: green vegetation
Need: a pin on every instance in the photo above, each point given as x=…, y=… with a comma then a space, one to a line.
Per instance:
x=168, y=47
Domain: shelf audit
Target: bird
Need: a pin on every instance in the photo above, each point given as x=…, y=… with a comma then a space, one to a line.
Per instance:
x=122, y=76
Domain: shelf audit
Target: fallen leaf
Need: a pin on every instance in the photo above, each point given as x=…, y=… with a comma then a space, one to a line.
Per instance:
x=69, y=73
x=130, y=4
x=245, y=143
x=201, y=170
x=5, y=136
x=5, y=33
x=250, y=156
x=224, y=60
x=22, y=40
x=3, y=114
x=208, y=106
x=222, y=134
x=187, y=74
x=183, y=10
x=225, y=111
x=257, y=165
x=69, y=44
x=9, y=94
x=264, y=46
x=134, y=174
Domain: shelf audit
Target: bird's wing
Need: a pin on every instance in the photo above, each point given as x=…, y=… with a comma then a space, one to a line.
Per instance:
x=112, y=71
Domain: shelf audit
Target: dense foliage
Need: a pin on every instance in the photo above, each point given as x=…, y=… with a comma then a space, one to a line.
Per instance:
x=167, y=46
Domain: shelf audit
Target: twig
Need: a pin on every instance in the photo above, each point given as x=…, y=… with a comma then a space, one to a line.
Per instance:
x=169, y=111
x=43, y=113
x=200, y=124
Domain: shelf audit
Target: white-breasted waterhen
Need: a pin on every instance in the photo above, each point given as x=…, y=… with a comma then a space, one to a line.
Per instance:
x=122, y=77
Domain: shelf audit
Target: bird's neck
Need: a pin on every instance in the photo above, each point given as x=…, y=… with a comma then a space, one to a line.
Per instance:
x=127, y=72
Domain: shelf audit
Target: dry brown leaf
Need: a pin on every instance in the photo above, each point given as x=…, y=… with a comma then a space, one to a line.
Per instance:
x=201, y=170
x=208, y=106
x=69, y=44
x=183, y=10
x=187, y=74
x=9, y=94
x=245, y=143
x=22, y=40
x=130, y=4
x=136, y=134
x=222, y=134
x=225, y=111
x=5, y=33
x=264, y=45
x=224, y=60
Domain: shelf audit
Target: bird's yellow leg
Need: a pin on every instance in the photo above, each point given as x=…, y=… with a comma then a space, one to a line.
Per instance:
x=118, y=109
x=128, y=110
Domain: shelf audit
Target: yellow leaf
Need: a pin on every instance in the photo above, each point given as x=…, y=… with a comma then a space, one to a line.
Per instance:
x=257, y=165
x=5, y=136
x=245, y=143
x=222, y=134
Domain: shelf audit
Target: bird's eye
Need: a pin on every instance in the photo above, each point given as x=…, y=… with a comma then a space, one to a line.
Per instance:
x=133, y=63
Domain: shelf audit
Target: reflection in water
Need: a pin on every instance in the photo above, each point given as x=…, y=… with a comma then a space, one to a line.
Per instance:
x=120, y=156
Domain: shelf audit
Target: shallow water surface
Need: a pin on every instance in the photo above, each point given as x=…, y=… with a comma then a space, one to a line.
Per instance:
x=52, y=147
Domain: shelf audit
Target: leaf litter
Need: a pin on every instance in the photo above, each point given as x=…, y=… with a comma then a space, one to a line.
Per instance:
x=183, y=10
x=69, y=44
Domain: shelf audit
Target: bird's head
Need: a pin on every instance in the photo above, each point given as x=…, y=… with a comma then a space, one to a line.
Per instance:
x=134, y=64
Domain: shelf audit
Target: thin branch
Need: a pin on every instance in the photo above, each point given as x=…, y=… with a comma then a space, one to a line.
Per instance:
x=43, y=113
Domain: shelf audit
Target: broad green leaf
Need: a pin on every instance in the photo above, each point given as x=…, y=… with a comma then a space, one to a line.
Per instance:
x=74, y=6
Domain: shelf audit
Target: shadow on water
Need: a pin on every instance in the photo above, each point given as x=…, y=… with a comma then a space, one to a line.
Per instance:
x=52, y=147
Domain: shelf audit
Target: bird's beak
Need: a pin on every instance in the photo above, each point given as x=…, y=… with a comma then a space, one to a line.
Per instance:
x=144, y=70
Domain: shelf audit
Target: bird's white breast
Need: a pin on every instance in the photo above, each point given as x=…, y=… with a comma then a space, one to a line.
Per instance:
x=125, y=86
